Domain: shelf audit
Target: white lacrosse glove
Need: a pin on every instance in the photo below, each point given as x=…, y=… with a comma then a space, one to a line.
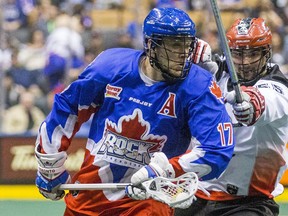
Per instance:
x=202, y=56
x=51, y=174
x=158, y=166
x=252, y=107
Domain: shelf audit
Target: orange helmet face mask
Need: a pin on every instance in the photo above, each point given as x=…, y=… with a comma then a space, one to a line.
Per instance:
x=250, y=42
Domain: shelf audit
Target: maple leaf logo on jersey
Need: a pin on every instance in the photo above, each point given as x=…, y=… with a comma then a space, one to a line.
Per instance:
x=129, y=142
x=215, y=90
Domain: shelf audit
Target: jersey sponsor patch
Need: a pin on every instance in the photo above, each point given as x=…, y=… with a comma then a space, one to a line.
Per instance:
x=113, y=91
x=129, y=141
x=141, y=102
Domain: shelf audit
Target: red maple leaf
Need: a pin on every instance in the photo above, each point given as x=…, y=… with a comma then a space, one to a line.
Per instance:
x=135, y=127
x=215, y=90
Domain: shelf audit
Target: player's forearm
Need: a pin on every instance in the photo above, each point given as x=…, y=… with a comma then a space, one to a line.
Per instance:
x=206, y=164
x=275, y=104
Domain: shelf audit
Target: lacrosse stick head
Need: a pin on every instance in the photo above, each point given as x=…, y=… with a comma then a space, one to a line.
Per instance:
x=175, y=192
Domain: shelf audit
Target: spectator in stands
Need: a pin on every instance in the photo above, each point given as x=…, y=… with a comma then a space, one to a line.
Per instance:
x=24, y=117
x=12, y=91
x=211, y=35
x=32, y=55
x=134, y=28
x=15, y=13
x=196, y=4
x=124, y=40
x=83, y=11
x=96, y=43
x=40, y=97
x=182, y=4
x=5, y=52
x=21, y=76
x=134, y=31
x=64, y=49
x=230, y=3
x=45, y=17
x=277, y=43
x=108, y=4
x=89, y=56
x=266, y=10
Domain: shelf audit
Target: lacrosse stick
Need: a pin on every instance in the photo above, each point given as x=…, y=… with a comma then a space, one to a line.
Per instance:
x=225, y=48
x=176, y=192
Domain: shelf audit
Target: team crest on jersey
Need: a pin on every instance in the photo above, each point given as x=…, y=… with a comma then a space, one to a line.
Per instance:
x=129, y=141
x=168, y=108
x=113, y=91
x=216, y=91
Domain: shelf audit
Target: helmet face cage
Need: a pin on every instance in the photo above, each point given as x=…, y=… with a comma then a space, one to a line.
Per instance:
x=163, y=55
x=251, y=70
x=250, y=42
x=161, y=27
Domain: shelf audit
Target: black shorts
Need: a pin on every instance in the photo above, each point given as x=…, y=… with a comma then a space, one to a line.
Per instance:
x=248, y=206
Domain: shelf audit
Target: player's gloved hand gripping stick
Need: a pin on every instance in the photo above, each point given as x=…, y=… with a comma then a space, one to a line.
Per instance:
x=151, y=182
x=252, y=107
x=225, y=48
x=177, y=192
x=51, y=174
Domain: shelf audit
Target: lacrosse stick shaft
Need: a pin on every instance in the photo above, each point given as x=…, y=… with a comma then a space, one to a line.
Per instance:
x=226, y=50
x=100, y=186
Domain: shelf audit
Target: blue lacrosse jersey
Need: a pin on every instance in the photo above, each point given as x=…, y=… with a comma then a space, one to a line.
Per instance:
x=132, y=120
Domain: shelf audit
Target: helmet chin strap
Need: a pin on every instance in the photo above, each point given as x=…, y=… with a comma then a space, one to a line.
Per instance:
x=251, y=82
x=165, y=73
x=170, y=79
x=259, y=75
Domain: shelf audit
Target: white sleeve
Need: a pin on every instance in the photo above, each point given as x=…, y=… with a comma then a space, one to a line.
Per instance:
x=276, y=103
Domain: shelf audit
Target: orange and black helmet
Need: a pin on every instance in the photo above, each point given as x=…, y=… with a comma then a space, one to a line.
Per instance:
x=249, y=33
x=250, y=37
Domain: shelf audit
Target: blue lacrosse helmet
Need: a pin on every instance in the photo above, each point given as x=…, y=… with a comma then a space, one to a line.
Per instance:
x=168, y=22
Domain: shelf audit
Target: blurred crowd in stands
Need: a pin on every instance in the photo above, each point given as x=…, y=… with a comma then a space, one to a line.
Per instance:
x=45, y=44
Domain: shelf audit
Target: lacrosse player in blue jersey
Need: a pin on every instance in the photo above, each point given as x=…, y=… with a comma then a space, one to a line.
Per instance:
x=146, y=106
